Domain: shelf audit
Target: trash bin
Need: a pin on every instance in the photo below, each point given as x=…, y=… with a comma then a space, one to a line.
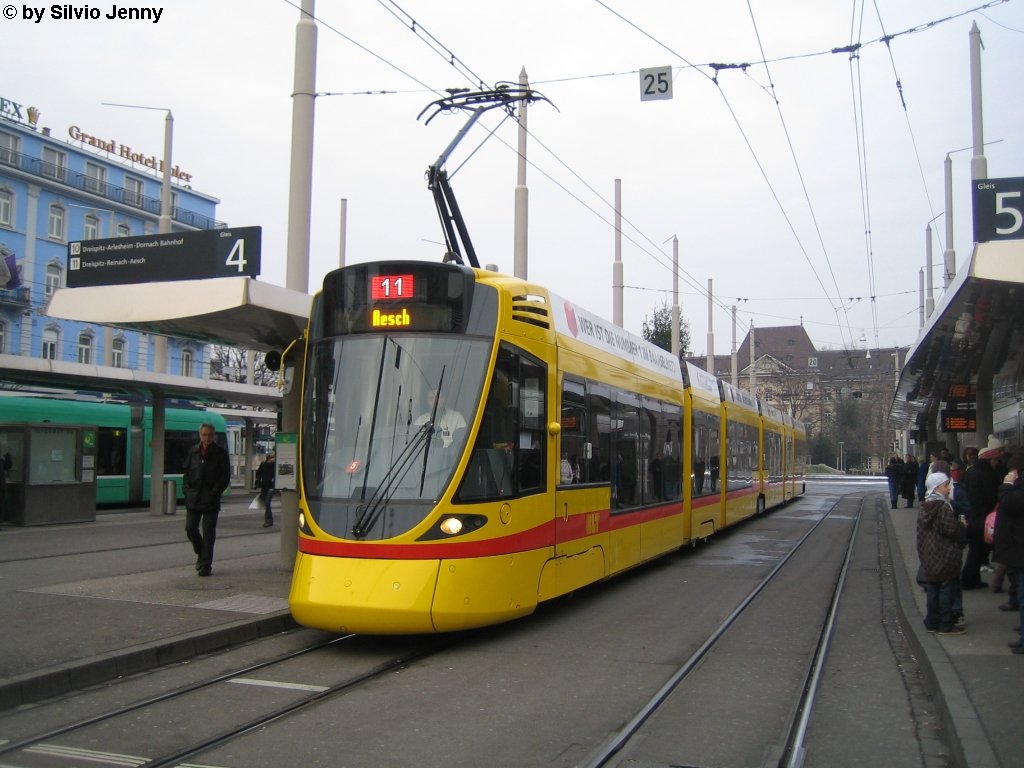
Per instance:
x=170, y=497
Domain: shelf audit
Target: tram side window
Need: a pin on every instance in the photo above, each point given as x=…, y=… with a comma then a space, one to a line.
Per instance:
x=625, y=439
x=742, y=458
x=668, y=437
x=177, y=444
x=532, y=413
x=705, y=454
x=598, y=466
x=652, y=486
x=111, y=451
x=509, y=455
x=573, y=461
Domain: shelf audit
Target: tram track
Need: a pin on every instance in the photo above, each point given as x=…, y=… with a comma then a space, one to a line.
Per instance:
x=625, y=746
x=69, y=740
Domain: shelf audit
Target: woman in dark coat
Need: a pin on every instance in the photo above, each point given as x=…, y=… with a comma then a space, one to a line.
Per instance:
x=1009, y=536
x=909, y=480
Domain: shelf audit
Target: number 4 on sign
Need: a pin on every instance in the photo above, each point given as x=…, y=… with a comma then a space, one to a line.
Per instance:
x=655, y=83
x=237, y=256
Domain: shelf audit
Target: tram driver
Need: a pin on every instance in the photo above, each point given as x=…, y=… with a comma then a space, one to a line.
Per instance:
x=445, y=420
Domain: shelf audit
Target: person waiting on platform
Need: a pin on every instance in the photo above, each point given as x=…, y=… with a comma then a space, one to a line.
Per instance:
x=894, y=474
x=265, y=480
x=1009, y=533
x=938, y=550
x=205, y=476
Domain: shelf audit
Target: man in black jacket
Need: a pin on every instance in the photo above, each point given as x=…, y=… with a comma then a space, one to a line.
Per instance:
x=206, y=475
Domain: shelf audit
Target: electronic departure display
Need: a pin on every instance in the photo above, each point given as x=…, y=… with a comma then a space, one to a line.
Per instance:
x=397, y=296
x=959, y=421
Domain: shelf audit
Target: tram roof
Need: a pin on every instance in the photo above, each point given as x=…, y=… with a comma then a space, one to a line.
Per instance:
x=970, y=330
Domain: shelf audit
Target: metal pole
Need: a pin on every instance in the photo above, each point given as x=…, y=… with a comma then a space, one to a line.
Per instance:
x=751, y=376
x=979, y=165
x=343, y=232
x=617, y=265
x=161, y=351
x=676, y=329
x=300, y=194
x=949, y=255
x=711, y=330
x=165, y=188
x=735, y=362
x=522, y=197
x=300, y=183
x=920, y=299
x=929, y=296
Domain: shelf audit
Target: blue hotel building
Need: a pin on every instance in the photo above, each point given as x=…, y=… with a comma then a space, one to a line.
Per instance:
x=59, y=186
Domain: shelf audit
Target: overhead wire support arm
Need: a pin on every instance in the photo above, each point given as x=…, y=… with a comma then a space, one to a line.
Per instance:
x=476, y=103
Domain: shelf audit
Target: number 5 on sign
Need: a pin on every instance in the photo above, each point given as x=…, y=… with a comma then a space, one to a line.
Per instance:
x=655, y=83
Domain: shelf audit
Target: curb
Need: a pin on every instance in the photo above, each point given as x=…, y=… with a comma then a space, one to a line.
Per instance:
x=970, y=747
x=76, y=675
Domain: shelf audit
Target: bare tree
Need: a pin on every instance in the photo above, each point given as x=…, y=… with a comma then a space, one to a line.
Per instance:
x=229, y=364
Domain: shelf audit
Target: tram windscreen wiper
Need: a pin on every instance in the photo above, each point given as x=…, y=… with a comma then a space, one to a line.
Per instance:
x=433, y=416
x=399, y=468
x=370, y=511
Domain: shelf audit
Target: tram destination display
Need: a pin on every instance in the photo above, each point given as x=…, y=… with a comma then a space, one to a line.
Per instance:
x=171, y=256
x=400, y=296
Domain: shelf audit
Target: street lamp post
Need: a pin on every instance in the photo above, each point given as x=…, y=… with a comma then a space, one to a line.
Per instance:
x=840, y=455
x=160, y=351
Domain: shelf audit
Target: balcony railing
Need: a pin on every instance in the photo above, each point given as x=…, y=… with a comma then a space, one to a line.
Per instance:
x=80, y=181
x=20, y=297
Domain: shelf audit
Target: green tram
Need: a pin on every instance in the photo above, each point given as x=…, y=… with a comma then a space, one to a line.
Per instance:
x=124, y=434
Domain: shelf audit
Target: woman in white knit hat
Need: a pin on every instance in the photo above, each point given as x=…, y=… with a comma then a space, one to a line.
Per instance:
x=938, y=549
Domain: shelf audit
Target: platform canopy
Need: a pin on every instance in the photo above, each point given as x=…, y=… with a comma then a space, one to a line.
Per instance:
x=974, y=329
x=234, y=311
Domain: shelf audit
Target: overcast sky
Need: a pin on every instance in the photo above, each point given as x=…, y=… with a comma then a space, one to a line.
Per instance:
x=802, y=187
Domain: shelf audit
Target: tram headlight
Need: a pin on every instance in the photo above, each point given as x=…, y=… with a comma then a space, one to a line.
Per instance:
x=454, y=525
x=451, y=525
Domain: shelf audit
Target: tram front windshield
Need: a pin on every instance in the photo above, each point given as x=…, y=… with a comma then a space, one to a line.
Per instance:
x=385, y=421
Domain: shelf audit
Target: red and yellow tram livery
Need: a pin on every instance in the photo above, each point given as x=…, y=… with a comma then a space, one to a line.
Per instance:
x=472, y=445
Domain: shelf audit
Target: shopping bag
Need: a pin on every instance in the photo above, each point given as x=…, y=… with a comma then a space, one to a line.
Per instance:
x=255, y=503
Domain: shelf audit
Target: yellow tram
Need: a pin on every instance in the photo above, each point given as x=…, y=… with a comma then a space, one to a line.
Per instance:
x=473, y=444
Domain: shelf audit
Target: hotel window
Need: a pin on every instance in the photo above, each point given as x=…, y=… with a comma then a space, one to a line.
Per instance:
x=50, y=343
x=117, y=353
x=6, y=208
x=9, y=148
x=91, y=230
x=95, y=178
x=54, y=163
x=123, y=229
x=85, y=348
x=133, y=189
x=186, y=362
x=53, y=278
x=55, y=225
